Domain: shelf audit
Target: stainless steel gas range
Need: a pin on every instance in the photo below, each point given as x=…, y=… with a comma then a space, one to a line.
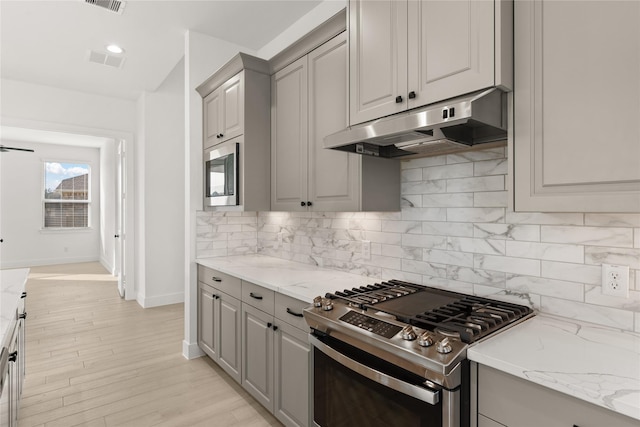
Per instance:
x=394, y=353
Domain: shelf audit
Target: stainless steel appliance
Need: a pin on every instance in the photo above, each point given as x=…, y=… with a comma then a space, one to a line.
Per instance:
x=393, y=354
x=452, y=125
x=221, y=174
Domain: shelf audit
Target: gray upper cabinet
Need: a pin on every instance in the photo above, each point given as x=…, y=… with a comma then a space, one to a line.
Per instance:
x=576, y=139
x=224, y=111
x=406, y=54
x=309, y=102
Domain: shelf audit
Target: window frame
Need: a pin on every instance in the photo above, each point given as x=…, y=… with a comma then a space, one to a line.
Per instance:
x=87, y=202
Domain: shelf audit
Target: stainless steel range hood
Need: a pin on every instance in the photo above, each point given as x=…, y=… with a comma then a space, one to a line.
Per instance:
x=448, y=126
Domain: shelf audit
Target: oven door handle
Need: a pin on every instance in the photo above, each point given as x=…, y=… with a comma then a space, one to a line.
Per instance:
x=430, y=396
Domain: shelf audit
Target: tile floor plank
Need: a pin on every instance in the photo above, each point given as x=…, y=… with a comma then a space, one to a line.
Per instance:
x=94, y=359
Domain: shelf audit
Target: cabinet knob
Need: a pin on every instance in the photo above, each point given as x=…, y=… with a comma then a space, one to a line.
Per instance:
x=309, y=203
x=221, y=135
x=398, y=99
x=303, y=204
x=412, y=95
x=269, y=324
x=13, y=356
x=1, y=240
x=116, y=236
x=275, y=328
x=23, y=315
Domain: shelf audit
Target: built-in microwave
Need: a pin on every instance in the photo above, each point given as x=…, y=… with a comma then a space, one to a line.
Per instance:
x=221, y=174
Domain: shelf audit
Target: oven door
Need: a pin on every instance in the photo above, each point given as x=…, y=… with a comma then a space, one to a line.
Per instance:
x=221, y=175
x=351, y=387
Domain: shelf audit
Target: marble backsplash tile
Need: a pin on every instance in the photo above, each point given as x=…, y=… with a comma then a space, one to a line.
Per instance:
x=455, y=231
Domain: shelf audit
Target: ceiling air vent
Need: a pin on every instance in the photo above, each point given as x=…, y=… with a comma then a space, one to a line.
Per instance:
x=106, y=59
x=115, y=6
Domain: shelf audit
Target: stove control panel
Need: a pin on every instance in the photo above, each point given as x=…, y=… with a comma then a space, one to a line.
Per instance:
x=371, y=324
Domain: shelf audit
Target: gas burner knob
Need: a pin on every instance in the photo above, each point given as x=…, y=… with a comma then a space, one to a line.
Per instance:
x=327, y=305
x=408, y=334
x=426, y=339
x=444, y=346
x=317, y=301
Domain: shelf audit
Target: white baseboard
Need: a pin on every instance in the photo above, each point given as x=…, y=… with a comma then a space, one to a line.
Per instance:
x=160, y=300
x=107, y=266
x=191, y=351
x=48, y=261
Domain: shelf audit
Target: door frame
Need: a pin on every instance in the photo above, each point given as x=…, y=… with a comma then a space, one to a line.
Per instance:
x=129, y=223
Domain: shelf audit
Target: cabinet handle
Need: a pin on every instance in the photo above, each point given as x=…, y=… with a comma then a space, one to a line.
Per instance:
x=252, y=295
x=303, y=204
x=412, y=95
x=23, y=315
x=13, y=356
x=216, y=279
x=398, y=99
x=24, y=295
x=293, y=313
x=309, y=203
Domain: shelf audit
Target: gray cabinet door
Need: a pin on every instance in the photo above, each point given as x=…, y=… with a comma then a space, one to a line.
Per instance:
x=289, y=146
x=229, y=355
x=292, y=361
x=257, y=354
x=577, y=101
x=334, y=176
x=378, y=58
x=207, y=321
x=212, y=118
x=450, y=48
x=515, y=402
x=5, y=400
x=232, y=120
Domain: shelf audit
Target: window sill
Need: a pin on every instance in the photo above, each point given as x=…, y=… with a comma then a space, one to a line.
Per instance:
x=66, y=230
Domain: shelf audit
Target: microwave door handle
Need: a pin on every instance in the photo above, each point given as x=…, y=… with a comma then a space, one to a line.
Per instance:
x=430, y=396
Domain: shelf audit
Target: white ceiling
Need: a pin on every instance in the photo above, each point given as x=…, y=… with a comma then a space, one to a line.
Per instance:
x=47, y=42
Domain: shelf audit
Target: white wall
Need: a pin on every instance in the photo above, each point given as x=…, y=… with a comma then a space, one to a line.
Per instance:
x=34, y=106
x=204, y=55
x=27, y=101
x=108, y=181
x=161, y=173
x=21, y=186
x=301, y=27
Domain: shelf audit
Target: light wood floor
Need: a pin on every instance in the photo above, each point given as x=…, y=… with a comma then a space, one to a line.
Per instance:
x=94, y=359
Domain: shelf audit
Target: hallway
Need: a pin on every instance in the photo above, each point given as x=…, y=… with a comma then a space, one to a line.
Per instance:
x=94, y=359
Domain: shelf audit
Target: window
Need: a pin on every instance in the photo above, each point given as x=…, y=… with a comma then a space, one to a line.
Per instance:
x=66, y=195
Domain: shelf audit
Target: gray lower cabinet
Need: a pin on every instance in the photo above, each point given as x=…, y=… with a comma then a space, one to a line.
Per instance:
x=12, y=374
x=261, y=339
x=219, y=319
x=504, y=400
x=576, y=136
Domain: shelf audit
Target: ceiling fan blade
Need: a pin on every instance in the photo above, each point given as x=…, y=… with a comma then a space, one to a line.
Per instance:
x=5, y=149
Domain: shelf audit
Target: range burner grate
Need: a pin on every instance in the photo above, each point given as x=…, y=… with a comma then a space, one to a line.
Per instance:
x=468, y=317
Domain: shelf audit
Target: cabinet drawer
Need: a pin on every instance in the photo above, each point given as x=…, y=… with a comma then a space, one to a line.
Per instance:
x=289, y=310
x=258, y=297
x=224, y=282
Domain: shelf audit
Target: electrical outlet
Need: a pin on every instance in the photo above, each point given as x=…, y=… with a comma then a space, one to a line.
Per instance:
x=366, y=249
x=615, y=280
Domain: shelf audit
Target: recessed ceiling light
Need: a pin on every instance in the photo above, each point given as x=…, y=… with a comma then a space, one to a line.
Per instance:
x=114, y=48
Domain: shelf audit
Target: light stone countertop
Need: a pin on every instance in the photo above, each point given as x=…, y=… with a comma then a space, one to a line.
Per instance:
x=12, y=284
x=297, y=280
x=593, y=363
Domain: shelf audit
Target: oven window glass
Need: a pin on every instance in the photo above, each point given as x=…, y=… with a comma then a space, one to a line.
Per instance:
x=344, y=398
x=220, y=176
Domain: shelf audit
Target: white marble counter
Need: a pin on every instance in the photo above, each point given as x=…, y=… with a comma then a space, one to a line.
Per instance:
x=297, y=280
x=593, y=363
x=12, y=284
